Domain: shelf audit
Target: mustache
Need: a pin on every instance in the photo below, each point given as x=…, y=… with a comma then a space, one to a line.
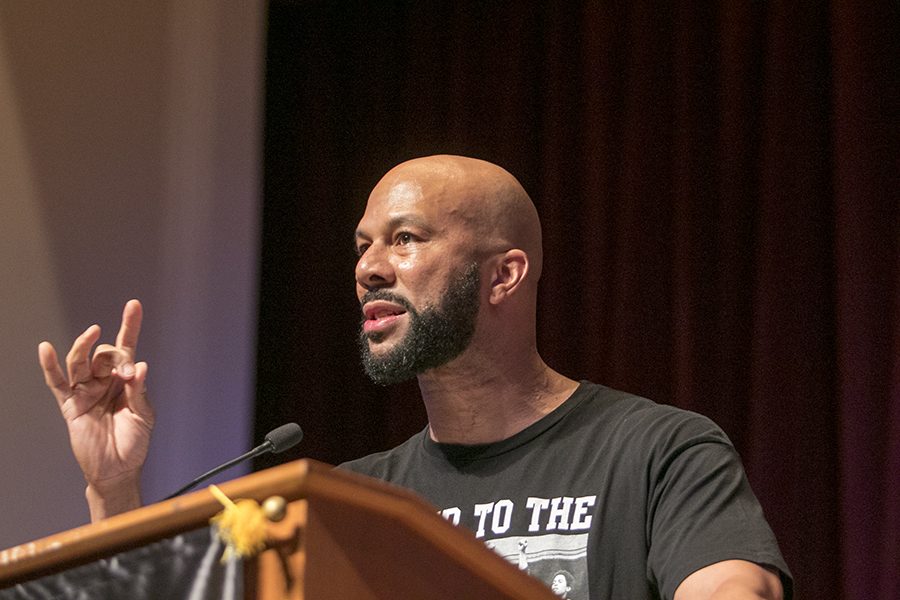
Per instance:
x=387, y=296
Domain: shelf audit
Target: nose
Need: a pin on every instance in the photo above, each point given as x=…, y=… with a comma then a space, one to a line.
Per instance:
x=373, y=269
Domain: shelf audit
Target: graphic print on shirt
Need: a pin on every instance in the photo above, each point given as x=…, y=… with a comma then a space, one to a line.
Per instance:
x=546, y=537
x=560, y=561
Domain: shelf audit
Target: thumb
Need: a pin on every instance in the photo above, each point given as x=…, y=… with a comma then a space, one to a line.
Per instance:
x=108, y=359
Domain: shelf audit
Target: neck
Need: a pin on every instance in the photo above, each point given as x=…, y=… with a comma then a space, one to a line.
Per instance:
x=474, y=400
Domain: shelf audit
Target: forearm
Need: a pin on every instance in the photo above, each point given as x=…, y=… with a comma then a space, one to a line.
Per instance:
x=731, y=580
x=738, y=590
x=110, y=500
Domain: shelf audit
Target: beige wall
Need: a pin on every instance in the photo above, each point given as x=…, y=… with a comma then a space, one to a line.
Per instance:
x=129, y=167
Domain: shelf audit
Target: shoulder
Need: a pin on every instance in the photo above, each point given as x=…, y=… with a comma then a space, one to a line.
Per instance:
x=638, y=419
x=389, y=464
x=642, y=437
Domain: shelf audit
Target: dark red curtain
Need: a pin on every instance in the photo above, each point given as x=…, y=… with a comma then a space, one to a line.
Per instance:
x=718, y=189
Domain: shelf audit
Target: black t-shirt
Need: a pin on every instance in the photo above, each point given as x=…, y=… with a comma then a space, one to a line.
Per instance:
x=617, y=495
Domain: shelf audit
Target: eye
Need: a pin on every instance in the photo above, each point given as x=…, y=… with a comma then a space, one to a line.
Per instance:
x=404, y=237
x=360, y=249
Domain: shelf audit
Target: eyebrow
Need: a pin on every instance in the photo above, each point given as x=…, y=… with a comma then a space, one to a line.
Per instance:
x=394, y=223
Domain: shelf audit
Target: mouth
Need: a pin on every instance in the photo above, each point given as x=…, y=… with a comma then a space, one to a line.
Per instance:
x=381, y=315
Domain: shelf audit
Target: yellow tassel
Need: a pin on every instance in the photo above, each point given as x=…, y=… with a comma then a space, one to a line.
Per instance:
x=242, y=526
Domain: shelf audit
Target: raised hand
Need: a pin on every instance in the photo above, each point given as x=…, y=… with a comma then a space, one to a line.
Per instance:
x=104, y=402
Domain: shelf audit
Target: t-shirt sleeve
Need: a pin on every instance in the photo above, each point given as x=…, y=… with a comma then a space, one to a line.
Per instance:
x=702, y=511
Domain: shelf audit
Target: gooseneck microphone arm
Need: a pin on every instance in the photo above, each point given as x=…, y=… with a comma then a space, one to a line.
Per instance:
x=277, y=440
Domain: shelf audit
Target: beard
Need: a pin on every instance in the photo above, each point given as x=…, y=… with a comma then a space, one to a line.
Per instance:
x=436, y=334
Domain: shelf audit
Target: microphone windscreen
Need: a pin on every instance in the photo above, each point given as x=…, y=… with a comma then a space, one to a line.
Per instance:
x=284, y=437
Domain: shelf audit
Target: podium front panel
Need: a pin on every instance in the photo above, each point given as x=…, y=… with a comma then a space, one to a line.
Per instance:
x=184, y=566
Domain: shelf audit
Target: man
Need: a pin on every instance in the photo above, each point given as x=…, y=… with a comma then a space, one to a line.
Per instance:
x=637, y=499
x=561, y=585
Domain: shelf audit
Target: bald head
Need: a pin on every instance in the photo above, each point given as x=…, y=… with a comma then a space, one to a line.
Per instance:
x=480, y=196
x=449, y=259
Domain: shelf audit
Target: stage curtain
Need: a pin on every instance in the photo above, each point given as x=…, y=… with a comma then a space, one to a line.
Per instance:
x=717, y=184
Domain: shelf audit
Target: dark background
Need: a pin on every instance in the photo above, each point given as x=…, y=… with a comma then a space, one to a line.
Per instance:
x=718, y=190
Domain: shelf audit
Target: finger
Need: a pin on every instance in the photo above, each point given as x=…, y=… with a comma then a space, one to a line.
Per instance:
x=109, y=360
x=53, y=374
x=136, y=394
x=132, y=315
x=84, y=397
x=78, y=359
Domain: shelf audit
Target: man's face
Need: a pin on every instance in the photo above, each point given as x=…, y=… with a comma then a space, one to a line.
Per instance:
x=435, y=335
x=416, y=280
x=559, y=585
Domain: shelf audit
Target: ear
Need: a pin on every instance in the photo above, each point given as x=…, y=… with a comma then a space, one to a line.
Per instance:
x=508, y=275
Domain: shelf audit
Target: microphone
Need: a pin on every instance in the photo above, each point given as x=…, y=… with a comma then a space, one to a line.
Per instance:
x=278, y=440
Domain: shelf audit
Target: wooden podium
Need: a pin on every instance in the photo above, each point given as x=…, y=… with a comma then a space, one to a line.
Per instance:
x=343, y=536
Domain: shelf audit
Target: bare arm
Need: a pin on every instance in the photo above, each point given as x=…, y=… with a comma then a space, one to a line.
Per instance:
x=731, y=579
x=103, y=399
